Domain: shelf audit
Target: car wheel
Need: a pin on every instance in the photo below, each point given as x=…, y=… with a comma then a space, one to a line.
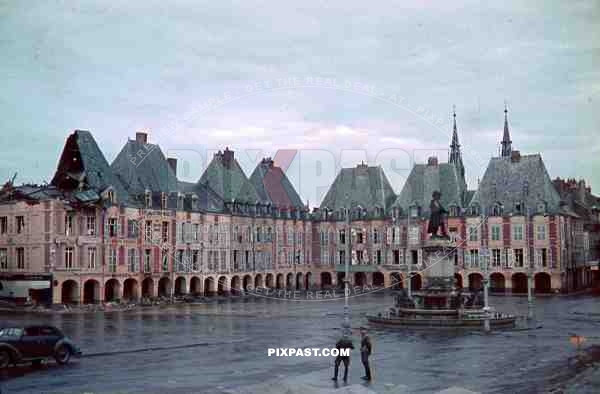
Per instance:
x=62, y=355
x=5, y=359
x=36, y=363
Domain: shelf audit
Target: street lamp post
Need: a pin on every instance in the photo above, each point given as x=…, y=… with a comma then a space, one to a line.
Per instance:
x=486, y=284
x=346, y=329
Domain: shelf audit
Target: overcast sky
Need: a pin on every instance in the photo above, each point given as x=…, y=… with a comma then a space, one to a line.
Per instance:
x=119, y=68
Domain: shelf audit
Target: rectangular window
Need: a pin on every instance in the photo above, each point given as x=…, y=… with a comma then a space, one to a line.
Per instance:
x=378, y=257
x=518, y=232
x=90, y=225
x=132, y=260
x=3, y=224
x=180, y=261
x=223, y=261
x=3, y=258
x=474, y=257
x=196, y=261
x=113, y=227
x=112, y=260
x=20, y=224
x=69, y=220
x=519, y=258
x=342, y=237
x=165, y=260
x=196, y=231
x=396, y=257
x=495, y=232
x=359, y=237
x=541, y=232
x=20, y=258
x=148, y=231
x=68, y=258
x=132, y=228
x=342, y=259
x=147, y=260
x=375, y=236
x=290, y=236
x=496, y=254
x=473, y=236
x=165, y=232
x=91, y=258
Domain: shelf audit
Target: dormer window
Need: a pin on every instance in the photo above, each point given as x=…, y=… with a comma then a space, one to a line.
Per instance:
x=148, y=199
x=180, y=201
x=453, y=210
x=474, y=210
x=541, y=208
x=164, y=200
x=497, y=209
x=519, y=208
x=110, y=196
x=194, y=201
x=415, y=211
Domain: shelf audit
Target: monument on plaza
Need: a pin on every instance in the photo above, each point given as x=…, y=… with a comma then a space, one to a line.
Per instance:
x=440, y=303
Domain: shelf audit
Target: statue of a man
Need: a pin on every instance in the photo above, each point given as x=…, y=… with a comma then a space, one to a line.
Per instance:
x=436, y=219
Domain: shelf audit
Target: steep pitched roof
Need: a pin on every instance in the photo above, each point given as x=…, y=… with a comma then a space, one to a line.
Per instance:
x=82, y=166
x=517, y=179
x=273, y=186
x=227, y=179
x=424, y=179
x=363, y=186
x=144, y=167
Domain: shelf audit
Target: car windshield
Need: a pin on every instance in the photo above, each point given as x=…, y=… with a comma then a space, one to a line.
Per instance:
x=11, y=332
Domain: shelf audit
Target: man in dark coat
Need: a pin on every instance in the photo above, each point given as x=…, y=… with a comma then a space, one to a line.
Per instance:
x=436, y=219
x=344, y=343
x=365, y=352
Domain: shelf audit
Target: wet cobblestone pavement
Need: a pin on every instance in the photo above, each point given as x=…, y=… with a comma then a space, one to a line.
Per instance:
x=222, y=348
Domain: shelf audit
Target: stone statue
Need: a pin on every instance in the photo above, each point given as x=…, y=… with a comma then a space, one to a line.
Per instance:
x=436, y=219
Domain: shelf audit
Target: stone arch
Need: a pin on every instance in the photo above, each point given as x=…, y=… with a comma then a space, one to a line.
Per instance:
x=326, y=281
x=131, y=289
x=209, y=286
x=543, y=282
x=269, y=281
x=258, y=281
x=378, y=279
x=475, y=281
x=416, y=282
x=164, y=287
x=279, y=281
x=235, y=285
x=222, y=286
x=180, y=285
x=299, y=280
x=69, y=292
x=247, y=282
x=360, y=279
x=308, y=281
x=458, y=280
x=148, y=287
x=396, y=280
x=497, y=282
x=289, y=281
x=195, y=287
x=91, y=292
x=519, y=282
x=112, y=290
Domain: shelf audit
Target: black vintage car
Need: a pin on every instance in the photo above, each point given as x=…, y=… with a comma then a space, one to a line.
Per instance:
x=35, y=344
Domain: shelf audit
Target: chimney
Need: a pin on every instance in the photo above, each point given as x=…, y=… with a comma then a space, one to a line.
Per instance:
x=173, y=164
x=228, y=156
x=515, y=156
x=432, y=161
x=581, y=191
x=141, y=137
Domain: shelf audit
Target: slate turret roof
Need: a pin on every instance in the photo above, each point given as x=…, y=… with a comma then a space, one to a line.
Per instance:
x=272, y=185
x=516, y=180
x=363, y=186
x=424, y=179
x=142, y=166
x=227, y=179
x=82, y=167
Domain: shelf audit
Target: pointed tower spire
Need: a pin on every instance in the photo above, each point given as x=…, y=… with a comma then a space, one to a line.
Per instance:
x=506, y=142
x=455, y=155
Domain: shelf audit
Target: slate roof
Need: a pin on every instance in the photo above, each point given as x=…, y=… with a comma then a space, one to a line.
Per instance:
x=83, y=165
x=227, y=179
x=508, y=182
x=424, y=179
x=148, y=171
x=363, y=186
x=272, y=185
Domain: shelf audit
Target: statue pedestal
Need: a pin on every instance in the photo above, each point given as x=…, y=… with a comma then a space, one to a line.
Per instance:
x=438, y=255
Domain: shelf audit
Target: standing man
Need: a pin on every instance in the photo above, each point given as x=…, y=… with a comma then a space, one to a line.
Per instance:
x=365, y=352
x=344, y=343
